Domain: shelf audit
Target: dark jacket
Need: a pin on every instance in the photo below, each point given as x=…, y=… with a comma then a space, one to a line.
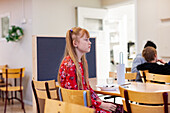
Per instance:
x=155, y=68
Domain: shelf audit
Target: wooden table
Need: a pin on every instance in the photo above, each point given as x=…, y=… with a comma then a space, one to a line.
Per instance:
x=93, y=83
x=136, y=86
x=148, y=87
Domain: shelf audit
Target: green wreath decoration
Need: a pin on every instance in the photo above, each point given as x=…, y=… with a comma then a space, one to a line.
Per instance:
x=14, y=34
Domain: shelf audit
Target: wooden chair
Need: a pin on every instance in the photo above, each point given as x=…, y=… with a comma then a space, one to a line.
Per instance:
x=113, y=74
x=81, y=97
x=128, y=69
x=130, y=76
x=157, y=77
x=40, y=92
x=54, y=106
x=1, y=67
x=145, y=102
x=143, y=75
x=2, y=83
x=13, y=74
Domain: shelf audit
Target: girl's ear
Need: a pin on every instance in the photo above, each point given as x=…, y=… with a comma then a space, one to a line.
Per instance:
x=75, y=43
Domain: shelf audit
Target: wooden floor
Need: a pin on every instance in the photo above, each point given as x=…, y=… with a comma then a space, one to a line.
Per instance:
x=15, y=108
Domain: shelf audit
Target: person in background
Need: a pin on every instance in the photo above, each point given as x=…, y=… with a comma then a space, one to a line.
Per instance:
x=140, y=60
x=150, y=55
x=73, y=70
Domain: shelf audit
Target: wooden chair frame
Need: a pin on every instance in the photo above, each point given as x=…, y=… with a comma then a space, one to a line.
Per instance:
x=1, y=67
x=157, y=77
x=56, y=106
x=2, y=83
x=41, y=92
x=130, y=76
x=147, y=102
x=128, y=69
x=143, y=75
x=13, y=73
x=81, y=97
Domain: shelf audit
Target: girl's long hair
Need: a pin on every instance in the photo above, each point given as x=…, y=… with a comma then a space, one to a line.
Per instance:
x=71, y=35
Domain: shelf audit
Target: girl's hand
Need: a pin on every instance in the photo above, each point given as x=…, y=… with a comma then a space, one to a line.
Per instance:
x=108, y=106
x=161, y=61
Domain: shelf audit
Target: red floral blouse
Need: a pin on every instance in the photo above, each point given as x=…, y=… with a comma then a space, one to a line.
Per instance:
x=68, y=80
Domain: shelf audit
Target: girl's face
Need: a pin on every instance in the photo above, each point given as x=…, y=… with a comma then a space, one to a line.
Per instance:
x=83, y=44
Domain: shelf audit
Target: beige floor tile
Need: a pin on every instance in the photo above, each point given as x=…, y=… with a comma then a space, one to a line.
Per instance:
x=15, y=108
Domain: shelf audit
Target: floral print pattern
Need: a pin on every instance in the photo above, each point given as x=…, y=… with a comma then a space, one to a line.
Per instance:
x=68, y=80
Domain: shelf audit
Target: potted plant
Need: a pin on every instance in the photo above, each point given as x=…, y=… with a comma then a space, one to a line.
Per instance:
x=15, y=33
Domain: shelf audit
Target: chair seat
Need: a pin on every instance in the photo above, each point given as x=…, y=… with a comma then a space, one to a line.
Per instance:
x=17, y=88
x=3, y=84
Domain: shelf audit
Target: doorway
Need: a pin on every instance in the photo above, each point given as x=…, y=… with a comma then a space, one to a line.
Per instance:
x=114, y=29
x=121, y=31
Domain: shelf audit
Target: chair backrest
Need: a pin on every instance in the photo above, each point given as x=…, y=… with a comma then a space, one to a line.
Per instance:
x=157, y=77
x=13, y=73
x=113, y=75
x=40, y=92
x=130, y=76
x=54, y=106
x=3, y=66
x=8, y=73
x=81, y=97
x=128, y=69
x=145, y=102
x=143, y=75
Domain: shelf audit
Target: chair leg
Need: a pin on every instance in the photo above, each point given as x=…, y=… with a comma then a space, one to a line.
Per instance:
x=22, y=101
x=6, y=92
x=3, y=96
x=12, y=97
x=114, y=99
x=0, y=94
x=9, y=100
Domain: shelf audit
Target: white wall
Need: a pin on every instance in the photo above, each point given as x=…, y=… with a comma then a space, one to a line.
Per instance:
x=148, y=23
x=52, y=17
x=18, y=54
x=110, y=3
x=149, y=13
x=55, y=17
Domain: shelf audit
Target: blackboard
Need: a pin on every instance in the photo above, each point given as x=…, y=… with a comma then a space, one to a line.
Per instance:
x=50, y=51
